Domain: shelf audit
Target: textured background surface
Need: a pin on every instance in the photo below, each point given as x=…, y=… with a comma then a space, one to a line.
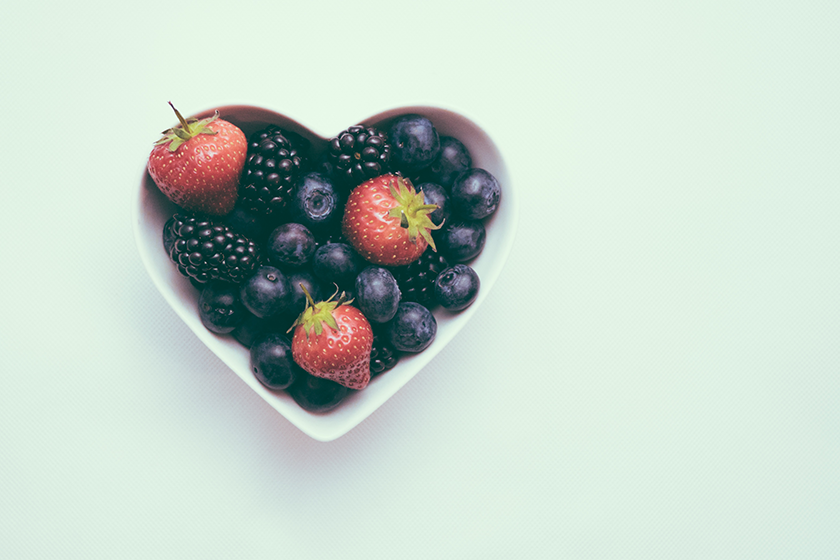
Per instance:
x=655, y=374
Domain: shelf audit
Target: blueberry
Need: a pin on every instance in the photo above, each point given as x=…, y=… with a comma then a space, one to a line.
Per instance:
x=336, y=262
x=298, y=299
x=436, y=194
x=248, y=223
x=413, y=328
x=250, y=329
x=271, y=362
x=316, y=203
x=462, y=241
x=317, y=394
x=475, y=194
x=453, y=160
x=457, y=287
x=290, y=245
x=414, y=143
x=377, y=294
x=219, y=307
x=266, y=292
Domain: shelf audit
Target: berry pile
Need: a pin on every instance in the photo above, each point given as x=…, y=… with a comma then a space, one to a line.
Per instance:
x=326, y=261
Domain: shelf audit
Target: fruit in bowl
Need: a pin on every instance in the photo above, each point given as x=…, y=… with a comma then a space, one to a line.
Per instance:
x=329, y=215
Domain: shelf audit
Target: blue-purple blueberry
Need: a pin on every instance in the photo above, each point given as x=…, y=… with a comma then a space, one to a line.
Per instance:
x=413, y=327
x=377, y=294
x=251, y=224
x=250, y=329
x=298, y=297
x=457, y=287
x=266, y=292
x=462, y=241
x=475, y=194
x=316, y=203
x=336, y=262
x=219, y=307
x=453, y=160
x=271, y=362
x=317, y=394
x=415, y=143
x=290, y=245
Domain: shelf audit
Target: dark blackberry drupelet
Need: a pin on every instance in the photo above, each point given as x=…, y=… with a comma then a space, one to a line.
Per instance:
x=360, y=153
x=383, y=356
x=204, y=251
x=272, y=166
x=417, y=280
x=168, y=235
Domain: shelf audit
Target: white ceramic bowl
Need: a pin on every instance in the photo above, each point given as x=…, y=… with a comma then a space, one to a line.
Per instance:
x=152, y=209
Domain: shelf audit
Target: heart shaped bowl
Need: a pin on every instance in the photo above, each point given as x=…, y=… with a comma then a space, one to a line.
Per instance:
x=152, y=209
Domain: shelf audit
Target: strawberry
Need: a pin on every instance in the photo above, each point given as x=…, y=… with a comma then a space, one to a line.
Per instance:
x=340, y=351
x=197, y=164
x=387, y=222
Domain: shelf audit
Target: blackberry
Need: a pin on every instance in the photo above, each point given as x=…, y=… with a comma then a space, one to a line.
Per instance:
x=360, y=153
x=204, y=251
x=272, y=166
x=383, y=356
x=168, y=236
x=417, y=280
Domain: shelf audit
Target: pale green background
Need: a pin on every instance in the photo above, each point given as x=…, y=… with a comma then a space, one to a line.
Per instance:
x=655, y=374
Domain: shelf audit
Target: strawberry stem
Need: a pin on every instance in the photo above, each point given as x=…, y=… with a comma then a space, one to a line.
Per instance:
x=308, y=297
x=180, y=118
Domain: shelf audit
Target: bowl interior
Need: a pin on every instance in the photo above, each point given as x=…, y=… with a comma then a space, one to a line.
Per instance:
x=152, y=209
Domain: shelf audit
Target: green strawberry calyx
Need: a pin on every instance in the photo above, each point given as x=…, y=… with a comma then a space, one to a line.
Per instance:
x=316, y=314
x=189, y=128
x=413, y=211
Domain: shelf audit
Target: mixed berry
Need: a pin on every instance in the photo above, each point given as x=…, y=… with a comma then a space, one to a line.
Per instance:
x=326, y=262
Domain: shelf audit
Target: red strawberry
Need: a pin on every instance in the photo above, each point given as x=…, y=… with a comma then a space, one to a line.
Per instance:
x=197, y=164
x=340, y=351
x=387, y=222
